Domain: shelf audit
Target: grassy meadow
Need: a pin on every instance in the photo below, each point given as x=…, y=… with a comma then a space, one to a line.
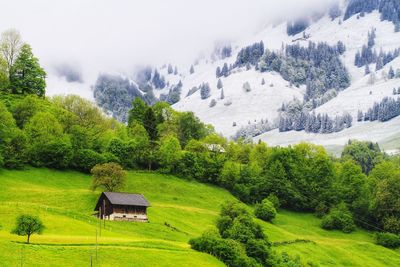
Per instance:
x=179, y=210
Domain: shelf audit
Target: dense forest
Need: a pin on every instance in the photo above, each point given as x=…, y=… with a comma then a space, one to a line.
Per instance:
x=360, y=188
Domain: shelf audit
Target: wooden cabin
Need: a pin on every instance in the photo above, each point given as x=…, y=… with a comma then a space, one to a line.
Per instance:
x=122, y=207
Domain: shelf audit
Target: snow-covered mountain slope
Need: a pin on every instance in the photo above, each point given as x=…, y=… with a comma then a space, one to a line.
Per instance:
x=263, y=101
x=238, y=107
x=233, y=107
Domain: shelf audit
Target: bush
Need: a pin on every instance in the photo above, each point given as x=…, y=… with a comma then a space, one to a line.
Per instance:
x=388, y=240
x=339, y=218
x=229, y=251
x=391, y=224
x=265, y=211
x=274, y=200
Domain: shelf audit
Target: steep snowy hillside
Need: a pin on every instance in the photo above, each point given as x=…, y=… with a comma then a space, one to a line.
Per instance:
x=325, y=77
x=263, y=102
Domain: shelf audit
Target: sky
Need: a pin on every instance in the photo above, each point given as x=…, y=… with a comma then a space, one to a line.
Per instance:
x=117, y=35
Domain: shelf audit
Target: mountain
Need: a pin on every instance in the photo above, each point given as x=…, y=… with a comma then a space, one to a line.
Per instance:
x=316, y=78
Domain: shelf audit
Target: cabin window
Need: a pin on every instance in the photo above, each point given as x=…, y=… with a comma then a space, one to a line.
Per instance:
x=123, y=216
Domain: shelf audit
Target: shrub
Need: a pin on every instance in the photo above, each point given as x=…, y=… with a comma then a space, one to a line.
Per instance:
x=388, y=240
x=391, y=224
x=229, y=251
x=339, y=218
x=265, y=211
x=274, y=200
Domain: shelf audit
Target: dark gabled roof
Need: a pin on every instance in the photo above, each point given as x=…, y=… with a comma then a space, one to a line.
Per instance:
x=125, y=199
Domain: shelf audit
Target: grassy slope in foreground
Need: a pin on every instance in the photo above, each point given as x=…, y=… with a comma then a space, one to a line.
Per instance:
x=64, y=202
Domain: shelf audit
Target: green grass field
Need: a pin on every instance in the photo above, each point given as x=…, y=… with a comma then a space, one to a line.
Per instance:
x=180, y=210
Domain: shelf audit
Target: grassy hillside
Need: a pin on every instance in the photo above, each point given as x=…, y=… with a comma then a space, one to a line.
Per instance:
x=180, y=210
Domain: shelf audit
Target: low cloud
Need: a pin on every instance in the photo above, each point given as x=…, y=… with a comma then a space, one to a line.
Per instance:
x=104, y=35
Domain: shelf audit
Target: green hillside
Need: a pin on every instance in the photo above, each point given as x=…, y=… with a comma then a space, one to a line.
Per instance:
x=180, y=210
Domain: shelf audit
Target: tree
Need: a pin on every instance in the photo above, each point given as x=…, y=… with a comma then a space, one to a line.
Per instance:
x=191, y=69
x=222, y=94
x=10, y=47
x=366, y=154
x=137, y=113
x=170, y=69
x=391, y=73
x=109, y=176
x=230, y=174
x=247, y=87
x=219, y=84
x=27, y=76
x=205, y=91
x=190, y=127
x=4, y=81
x=28, y=225
x=372, y=78
x=367, y=70
x=169, y=153
x=150, y=123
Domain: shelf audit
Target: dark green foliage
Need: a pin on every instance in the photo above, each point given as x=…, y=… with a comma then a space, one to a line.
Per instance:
x=149, y=123
x=15, y=150
x=55, y=154
x=245, y=238
x=190, y=127
x=274, y=200
x=339, y=218
x=229, y=251
x=388, y=240
x=27, y=225
x=27, y=77
x=138, y=111
x=85, y=159
x=366, y=154
x=265, y=210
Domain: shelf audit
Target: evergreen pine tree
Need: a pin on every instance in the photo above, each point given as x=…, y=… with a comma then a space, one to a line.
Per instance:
x=191, y=69
x=225, y=70
x=170, y=69
x=391, y=74
x=222, y=94
x=218, y=72
x=367, y=70
x=379, y=63
x=219, y=84
x=360, y=116
x=262, y=81
x=150, y=124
